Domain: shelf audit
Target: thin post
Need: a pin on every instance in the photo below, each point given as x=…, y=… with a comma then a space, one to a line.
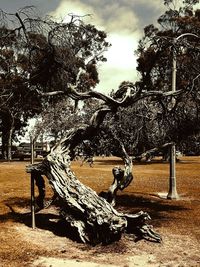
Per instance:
x=172, y=180
x=172, y=194
x=32, y=186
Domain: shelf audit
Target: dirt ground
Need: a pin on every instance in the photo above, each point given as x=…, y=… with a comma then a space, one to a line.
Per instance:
x=48, y=245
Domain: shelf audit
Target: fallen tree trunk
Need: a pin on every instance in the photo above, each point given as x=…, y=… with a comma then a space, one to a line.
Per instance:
x=92, y=218
x=88, y=215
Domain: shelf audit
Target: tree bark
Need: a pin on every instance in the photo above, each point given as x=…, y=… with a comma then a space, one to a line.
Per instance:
x=122, y=177
x=92, y=218
x=7, y=132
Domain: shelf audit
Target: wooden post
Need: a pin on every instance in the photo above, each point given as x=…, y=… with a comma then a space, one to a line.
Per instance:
x=32, y=185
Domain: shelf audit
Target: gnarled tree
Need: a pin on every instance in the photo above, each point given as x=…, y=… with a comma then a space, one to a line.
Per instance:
x=91, y=216
x=73, y=62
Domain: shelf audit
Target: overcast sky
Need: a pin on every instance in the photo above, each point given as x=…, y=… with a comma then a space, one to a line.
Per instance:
x=123, y=20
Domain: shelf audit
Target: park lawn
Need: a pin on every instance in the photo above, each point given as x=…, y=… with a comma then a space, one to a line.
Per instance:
x=176, y=220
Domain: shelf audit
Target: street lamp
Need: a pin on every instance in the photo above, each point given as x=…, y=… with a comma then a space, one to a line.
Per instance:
x=172, y=194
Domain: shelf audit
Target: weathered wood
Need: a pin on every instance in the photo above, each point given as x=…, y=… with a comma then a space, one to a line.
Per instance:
x=92, y=218
x=122, y=178
x=90, y=215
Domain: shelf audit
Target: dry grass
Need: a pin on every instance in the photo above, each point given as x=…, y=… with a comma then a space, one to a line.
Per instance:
x=177, y=221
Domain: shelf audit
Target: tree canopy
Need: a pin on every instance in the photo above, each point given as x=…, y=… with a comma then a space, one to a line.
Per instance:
x=40, y=55
x=177, y=37
x=155, y=121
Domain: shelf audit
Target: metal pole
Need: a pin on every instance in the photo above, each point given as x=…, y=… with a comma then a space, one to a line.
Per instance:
x=32, y=185
x=174, y=73
x=172, y=194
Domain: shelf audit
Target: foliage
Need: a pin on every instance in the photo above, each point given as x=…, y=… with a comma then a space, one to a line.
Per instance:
x=170, y=119
x=39, y=55
x=154, y=121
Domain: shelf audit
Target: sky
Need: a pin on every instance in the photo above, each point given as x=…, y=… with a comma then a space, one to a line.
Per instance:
x=122, y=20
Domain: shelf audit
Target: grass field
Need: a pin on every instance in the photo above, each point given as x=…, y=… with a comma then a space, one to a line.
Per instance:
x=176, y=220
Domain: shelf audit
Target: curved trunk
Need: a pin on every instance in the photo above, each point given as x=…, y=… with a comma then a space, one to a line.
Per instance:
x=93, y=218
x=122, y=178
x=90, y=216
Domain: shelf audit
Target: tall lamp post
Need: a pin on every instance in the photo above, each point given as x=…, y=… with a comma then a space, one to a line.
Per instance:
x=172, y=194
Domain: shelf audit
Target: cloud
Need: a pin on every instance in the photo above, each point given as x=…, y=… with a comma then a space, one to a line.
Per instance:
x=78, y=8
x=120, y=22
x=118, y=18
x=123, y=20
x=121, y=62
x=109, y=16
x=121, y=50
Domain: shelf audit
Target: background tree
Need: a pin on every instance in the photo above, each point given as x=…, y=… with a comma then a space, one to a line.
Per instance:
x=59, y=118
x=17, y=102
x=45, y=55
x=159, y=45
x=89, y=216
x=157, y=122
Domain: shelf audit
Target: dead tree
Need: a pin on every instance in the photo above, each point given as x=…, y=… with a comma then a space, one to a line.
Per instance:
x=122, y=177
x=91, y=216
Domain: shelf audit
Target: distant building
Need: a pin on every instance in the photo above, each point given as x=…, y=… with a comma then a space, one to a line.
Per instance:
x=24, y=150
x=40, y=148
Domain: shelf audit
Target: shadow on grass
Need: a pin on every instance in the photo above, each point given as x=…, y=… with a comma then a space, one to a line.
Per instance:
x=161, y=212
x=46, y=219
x=117, y=162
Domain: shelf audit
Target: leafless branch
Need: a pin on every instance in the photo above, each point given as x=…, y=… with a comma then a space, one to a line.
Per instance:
x=50, y=93
x=193, y=82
